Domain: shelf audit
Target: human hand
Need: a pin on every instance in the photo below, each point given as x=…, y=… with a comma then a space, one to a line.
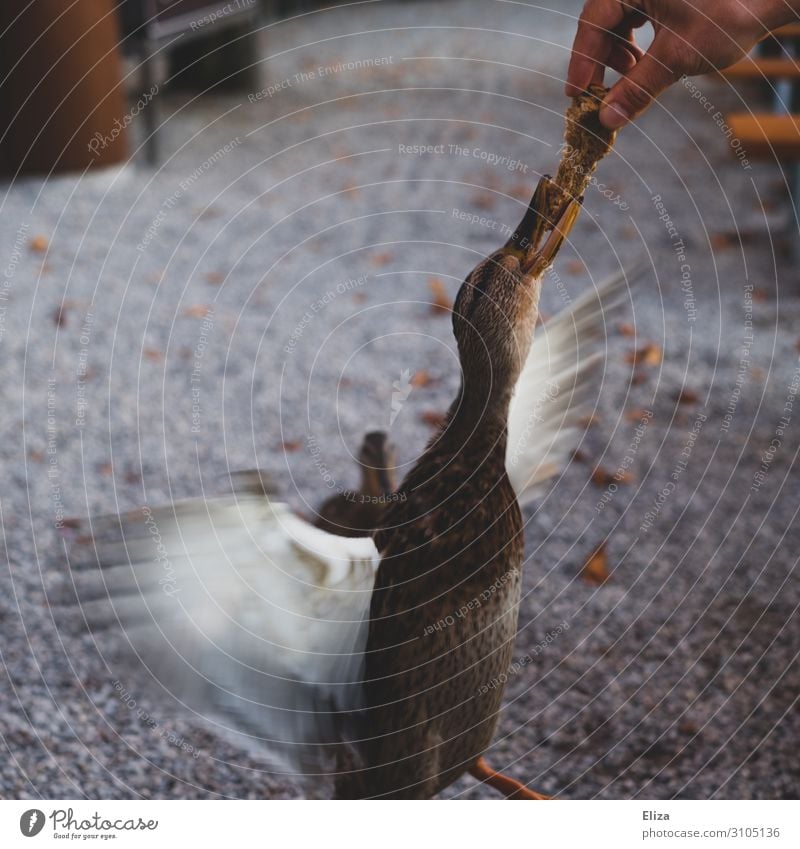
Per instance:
x=691, y=37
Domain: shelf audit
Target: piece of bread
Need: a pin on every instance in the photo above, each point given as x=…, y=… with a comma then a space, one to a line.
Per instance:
x=586, y=142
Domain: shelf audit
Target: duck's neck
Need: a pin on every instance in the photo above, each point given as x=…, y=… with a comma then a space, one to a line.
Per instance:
x=478, y=418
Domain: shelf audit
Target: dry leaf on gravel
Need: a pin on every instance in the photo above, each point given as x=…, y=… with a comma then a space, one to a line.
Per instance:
x=595, y=570
x=420, y=379
x=39, y=244
x=574, y=266
x=440, y=300
x=381, y=259
x=649, y=354
x=483, y=200
x=197, y=311
x=636, y=415
x=432, y=418
x=602, y=477
x=686, y=396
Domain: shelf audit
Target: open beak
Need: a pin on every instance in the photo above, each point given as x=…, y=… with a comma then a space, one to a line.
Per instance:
x=560, y=232
x=525, y=243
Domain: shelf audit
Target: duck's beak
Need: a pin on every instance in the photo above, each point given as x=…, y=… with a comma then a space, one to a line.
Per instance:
x=525, y=243
x=560, y=232
x=534, y=223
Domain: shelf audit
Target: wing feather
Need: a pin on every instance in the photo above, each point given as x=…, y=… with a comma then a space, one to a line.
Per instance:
x=554, y=390
x=242, y=612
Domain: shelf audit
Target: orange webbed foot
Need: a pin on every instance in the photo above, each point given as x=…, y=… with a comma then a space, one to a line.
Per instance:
x=509, y=787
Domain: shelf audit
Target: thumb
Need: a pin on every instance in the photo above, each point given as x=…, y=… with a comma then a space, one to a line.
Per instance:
x=649, y=77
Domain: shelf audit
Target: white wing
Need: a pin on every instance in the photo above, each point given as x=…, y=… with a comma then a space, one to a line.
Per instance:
x=243, y=612
x=553, y=391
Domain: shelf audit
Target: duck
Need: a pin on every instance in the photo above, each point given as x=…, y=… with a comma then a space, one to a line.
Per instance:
x=357, y=513
x=372, y=666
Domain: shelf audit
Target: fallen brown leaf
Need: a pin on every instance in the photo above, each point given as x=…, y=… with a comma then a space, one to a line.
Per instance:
x=722, y=241
x=484, y=200
x=214, y=278
x=649, y=354
x=595, y=570
x=520, y=191
x=153, y=354
x=421, y=378
x=381, y=259
x=602, y=477
x=635, y=416
x=292, y=445
x=196, y=311
x=39, y=244
x=574, y=266
x=625, y=328
x=106, y=469
x=350, y=188
x=686, y=396
x=441, y=302
x=638, y=378
x=432, y=418
x=589, y=421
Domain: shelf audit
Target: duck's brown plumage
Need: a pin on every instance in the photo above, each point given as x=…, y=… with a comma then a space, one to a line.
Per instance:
x=359, y=512
x=443, y=616
x=444, y=608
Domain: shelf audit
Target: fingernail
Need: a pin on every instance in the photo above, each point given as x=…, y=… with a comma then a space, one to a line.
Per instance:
x=613, y=116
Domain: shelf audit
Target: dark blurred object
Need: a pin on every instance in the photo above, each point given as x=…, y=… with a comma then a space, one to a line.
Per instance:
x=61, y=88
x=208, y=44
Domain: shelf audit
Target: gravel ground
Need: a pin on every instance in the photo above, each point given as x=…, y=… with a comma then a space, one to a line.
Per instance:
x=130, y=297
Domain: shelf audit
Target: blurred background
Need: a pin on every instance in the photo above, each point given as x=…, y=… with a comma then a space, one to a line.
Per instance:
x=228, y=232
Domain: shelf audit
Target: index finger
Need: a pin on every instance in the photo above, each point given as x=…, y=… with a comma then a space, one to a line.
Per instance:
x=593, y=43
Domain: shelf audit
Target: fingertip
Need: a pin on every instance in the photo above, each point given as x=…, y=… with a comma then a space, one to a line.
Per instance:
x=580, y=74
x=613, y=116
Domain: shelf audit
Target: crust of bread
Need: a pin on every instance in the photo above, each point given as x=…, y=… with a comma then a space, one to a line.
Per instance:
x=586, y=142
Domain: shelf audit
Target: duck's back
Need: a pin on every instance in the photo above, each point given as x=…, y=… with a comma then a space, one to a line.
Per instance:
x=443, y=621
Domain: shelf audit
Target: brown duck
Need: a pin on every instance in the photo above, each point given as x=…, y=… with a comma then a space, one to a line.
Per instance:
x=358, y=513
x=362, y=665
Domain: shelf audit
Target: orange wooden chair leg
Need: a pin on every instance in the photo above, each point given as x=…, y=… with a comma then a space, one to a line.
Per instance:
x=509, y=787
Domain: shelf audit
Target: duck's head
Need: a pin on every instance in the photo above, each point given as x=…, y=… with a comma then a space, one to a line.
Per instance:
x=377, y=460
x=498, y=304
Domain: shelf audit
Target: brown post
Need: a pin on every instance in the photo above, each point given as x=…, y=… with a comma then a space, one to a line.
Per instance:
x=61, y=95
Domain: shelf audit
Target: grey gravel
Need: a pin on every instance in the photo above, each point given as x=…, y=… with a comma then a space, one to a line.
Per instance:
x=678, y=676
